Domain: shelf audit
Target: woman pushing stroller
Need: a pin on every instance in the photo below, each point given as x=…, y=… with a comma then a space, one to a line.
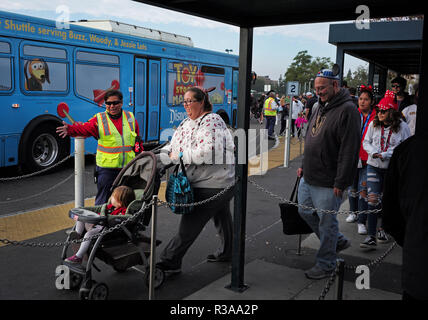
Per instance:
x=204, y=140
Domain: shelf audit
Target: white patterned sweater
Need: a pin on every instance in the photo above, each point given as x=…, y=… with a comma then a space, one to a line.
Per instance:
x=208, y=151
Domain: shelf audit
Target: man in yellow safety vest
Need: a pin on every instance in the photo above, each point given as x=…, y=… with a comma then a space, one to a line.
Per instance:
x=270, y=108
x=117, y=133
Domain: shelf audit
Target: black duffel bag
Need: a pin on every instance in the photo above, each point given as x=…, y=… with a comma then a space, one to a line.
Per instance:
x=292, y=222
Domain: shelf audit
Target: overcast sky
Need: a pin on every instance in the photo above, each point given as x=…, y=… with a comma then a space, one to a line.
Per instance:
x=274, y=47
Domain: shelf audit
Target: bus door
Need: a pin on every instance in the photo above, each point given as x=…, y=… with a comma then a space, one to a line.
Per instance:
x=235, y=80
x=147, y=97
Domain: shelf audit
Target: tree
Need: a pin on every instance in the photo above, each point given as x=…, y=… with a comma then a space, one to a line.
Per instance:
x=304, y=68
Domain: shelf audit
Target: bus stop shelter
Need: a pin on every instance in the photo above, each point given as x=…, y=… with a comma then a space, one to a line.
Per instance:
x=250, y=14
x=386, y=45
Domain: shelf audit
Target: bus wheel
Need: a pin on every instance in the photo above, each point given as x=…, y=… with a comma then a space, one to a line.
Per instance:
x=44, y=148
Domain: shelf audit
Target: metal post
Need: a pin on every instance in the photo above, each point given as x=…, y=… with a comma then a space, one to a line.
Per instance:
x=153, y=248
x=288, y=135
x=299, y=248
x=79, y=171
x=340, y=279
x=422, y=116
x=240, y=201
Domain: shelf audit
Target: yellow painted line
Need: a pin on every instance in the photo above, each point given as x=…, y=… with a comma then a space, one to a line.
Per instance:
x=40, y=222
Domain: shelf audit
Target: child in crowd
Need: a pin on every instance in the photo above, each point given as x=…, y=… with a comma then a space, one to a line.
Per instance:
x=120, y=199
x=357, y=193
x=384, y=133
x=300, y=122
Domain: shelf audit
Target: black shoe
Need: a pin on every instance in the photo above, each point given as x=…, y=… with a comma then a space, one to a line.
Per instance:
x=343, y=246
x=214, y=258
x=369, y=243
x=167, y=268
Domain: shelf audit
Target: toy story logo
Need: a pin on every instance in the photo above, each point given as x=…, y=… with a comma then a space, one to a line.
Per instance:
x=187, y=75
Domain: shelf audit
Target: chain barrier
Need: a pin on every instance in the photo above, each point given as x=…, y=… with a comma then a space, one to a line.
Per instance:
x=273, y=195
x=38, y=172
x=329, y=283
x=75, y=241
x=116, y=227
x=40, y=193
x=378, y=260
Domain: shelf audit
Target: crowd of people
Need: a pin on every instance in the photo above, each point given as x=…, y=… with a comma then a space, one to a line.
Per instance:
x=275, y=110
x=350, y=141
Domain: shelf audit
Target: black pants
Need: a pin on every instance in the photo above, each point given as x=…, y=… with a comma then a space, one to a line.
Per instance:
x=106, y=177
x=293, y=124
x=192, y=224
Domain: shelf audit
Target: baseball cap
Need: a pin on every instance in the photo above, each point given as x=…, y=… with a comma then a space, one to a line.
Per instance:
x=309, y=94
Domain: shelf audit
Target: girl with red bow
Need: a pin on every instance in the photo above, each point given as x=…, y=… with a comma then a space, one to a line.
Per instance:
x=384, y=133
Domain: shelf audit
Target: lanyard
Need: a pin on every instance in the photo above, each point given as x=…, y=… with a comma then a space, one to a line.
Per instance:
x=365, y=123
x=382, y=140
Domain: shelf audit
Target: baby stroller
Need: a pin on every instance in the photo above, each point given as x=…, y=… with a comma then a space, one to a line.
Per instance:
x=126, y=246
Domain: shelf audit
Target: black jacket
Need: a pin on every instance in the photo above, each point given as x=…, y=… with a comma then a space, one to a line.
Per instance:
x=332, y=145
x=405, y=211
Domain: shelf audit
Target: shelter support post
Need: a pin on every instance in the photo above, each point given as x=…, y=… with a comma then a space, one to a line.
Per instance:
x=383, y=78
x=371, y=73
x=340, y=61
x=240, y=201
x=422, y=114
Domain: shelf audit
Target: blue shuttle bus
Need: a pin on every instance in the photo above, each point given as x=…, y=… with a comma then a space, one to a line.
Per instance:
x=42, y=66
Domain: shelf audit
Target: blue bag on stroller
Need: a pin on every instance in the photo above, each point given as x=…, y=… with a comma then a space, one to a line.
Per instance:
x=179, y=190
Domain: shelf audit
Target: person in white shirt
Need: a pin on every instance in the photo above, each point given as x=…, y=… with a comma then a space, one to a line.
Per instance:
x=384, y=133
x=409, y=114
x=296, y=109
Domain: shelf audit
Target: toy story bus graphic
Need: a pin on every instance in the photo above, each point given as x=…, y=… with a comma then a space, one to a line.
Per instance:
x=42, y=66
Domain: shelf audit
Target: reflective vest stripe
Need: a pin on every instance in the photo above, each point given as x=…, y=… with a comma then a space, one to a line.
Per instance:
x=130, y=123
x=104, y=121
x=114, y=149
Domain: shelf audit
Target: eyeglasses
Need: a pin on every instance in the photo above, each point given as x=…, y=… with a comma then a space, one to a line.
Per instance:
x=395, y=86
x=113, y=102
x=189, y=102
x=382, y=111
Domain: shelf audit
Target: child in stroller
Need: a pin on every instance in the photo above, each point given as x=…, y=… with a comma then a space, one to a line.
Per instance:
x=120, y=241
x=120, y=199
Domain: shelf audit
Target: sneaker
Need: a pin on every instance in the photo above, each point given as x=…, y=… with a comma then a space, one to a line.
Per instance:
x=381, y=236
x=317, y=273
x=343, y=245
x=362, y=228
x=369, y=243
x=74, y=259
x=215, y=258
x=351, y=218
x=167, y=268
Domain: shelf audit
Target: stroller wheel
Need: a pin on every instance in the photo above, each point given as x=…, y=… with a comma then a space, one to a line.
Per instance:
x=158, y=279
x=98, y=292
x=75, y=280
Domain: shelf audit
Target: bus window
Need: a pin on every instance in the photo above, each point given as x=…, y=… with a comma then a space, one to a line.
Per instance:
x=4, y=47
x=41, y=75
x=216, y=96
x=45, y=52
x=5, y=68
x=96, y=57
x=5, y=74
x=92, y=80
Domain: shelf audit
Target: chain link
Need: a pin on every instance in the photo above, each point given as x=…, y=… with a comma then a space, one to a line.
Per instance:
x=273, y=195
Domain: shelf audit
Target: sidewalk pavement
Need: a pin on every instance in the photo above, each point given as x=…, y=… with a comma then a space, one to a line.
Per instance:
x=266, y=280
